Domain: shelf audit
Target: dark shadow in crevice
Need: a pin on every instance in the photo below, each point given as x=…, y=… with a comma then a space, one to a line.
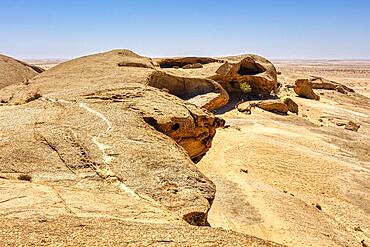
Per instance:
x=250, y=67
x=152, y=122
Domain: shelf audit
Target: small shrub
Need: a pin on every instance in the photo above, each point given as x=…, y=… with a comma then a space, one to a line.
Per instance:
x=245, y=87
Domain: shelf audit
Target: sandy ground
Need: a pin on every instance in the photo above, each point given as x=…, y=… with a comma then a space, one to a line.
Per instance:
x=299, y=180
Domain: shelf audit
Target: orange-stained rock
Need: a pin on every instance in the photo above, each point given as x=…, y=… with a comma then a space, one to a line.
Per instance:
x=303, y=87
x=275, y=106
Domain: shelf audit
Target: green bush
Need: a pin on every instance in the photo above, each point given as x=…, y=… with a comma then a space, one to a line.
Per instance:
x=245, y=87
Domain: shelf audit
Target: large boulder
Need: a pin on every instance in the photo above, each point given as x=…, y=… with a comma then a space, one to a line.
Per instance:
x=303, y=87
x=13, y=71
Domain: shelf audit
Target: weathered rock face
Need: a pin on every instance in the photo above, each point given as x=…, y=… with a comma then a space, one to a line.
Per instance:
x=257, y=72
x=14, y=71
x=303, y=87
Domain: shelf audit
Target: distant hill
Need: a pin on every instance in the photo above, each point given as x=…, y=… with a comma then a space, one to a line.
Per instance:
x=14, y=71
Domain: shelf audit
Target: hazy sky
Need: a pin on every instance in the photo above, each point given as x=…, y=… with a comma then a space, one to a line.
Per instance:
x=275, y=29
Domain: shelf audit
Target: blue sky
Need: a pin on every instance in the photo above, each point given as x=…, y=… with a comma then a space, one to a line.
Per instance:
x=325, y=29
